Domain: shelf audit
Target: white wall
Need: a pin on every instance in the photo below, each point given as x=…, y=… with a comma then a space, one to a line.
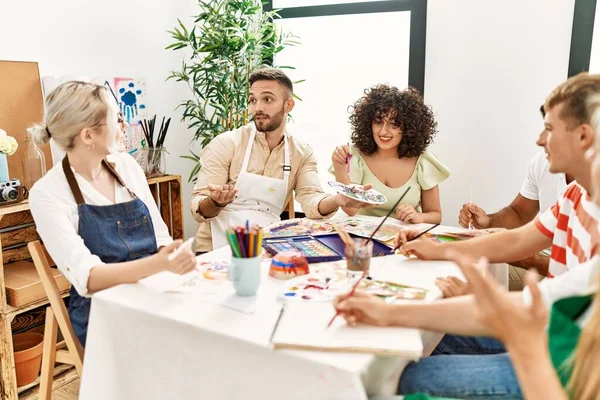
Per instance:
x=106, y=38
x=489, y=67
x=337, y=74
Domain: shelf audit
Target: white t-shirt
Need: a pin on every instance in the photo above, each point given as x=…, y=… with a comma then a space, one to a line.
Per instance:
x=540, y=184
x=56, y=218
x=580, y=281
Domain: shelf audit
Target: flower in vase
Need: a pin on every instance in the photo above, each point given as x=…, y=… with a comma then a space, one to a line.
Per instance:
x=8, y=144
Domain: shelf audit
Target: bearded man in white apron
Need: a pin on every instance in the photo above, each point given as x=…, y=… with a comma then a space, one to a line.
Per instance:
x=248, y=174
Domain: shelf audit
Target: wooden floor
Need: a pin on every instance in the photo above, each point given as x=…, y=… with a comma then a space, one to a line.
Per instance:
x=68, y=392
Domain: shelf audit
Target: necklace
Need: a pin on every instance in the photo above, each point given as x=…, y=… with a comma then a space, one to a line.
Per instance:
x=95, y=178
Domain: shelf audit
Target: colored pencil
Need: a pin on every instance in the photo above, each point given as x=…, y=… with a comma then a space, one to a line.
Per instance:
x=247, y=237
x=240, y=238
x=232, y=242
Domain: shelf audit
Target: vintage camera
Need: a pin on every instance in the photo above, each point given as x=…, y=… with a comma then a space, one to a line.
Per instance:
x=9, y=190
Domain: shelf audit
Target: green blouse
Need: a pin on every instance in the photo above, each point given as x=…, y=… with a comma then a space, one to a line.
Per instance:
x=429, y=172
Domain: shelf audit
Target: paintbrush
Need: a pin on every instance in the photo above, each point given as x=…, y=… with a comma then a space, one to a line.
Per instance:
x=348, y=296
x=161, y=140
x=151, y=131
x=348, y=160
x=471, y=200
x=416, y=237
x=145, y=131
x=162, y=126
x=344, y=236
x=388, y=214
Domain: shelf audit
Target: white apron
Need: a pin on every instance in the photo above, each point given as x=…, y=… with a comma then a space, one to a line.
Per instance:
x=259, y=199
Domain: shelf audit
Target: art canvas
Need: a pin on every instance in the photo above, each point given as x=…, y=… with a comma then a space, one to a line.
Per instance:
x=129, y=93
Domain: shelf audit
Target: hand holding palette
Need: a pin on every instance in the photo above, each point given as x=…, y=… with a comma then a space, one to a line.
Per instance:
x=370, y=196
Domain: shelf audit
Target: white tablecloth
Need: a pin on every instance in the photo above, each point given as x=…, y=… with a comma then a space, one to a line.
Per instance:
x=144, y=344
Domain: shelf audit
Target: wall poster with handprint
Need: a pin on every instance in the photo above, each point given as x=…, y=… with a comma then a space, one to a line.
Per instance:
x=129, y=93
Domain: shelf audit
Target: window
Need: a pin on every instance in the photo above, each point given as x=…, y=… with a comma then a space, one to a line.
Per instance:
x=585, y=40
x=338, y=64
x=345, y=49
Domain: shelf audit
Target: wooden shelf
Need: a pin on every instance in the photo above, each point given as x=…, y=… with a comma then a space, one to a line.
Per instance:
x=12, y=311
x=14, y=208
x=63, y=374
x=159, y=179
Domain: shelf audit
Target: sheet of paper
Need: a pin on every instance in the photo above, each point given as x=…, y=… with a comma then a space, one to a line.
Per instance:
x=304, y=326
x=194, y=283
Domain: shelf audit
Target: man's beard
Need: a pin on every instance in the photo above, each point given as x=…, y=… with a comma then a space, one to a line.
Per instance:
x=271, y=124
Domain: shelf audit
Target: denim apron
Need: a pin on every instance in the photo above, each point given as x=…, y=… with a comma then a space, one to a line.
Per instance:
x=115, y=233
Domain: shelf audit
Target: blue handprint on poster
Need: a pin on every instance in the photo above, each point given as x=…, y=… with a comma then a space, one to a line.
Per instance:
x=129, y=93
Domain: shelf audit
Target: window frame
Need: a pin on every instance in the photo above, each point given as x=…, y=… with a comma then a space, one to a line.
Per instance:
x=582, y=35
x=418, y=26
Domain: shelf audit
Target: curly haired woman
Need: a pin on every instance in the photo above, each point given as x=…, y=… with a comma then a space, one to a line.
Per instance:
x=391, y=130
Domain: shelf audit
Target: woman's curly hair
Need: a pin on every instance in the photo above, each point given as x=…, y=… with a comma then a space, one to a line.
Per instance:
x=414, y=118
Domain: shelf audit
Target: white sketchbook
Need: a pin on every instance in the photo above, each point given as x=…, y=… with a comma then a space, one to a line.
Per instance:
x=303, y=326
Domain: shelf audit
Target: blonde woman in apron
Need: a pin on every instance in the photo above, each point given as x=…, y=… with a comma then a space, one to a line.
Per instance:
x=96, y=215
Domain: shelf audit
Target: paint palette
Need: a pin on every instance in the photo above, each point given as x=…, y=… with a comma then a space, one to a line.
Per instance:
x=314, y=250
x=370, y=196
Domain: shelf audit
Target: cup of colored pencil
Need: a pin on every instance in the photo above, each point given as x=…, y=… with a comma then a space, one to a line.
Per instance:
x=245, y=241
x=245, y=268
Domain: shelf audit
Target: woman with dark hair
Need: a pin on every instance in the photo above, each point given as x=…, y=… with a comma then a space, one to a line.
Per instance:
x=391, y=130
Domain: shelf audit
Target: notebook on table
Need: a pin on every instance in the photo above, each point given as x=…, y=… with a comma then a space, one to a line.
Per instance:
x=303, y=326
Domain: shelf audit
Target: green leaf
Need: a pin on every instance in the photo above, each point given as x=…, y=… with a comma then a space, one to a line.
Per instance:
x=189, y=158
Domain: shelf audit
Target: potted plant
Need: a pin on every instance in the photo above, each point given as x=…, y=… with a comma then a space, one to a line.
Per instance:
x=228, y=40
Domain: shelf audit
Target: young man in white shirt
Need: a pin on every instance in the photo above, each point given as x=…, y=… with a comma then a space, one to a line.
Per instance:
x=540, y=190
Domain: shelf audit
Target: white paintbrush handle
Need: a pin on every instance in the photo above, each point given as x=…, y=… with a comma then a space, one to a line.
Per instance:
x=185, y=245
